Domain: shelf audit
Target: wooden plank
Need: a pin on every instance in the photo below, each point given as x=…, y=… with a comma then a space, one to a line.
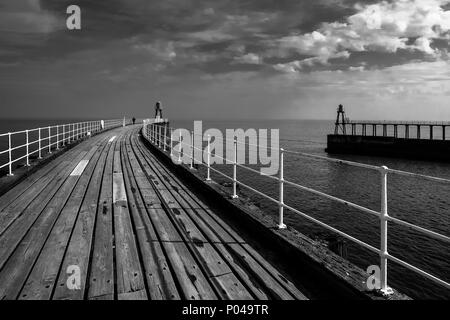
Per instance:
x=129, y=272
x=18, y=195
x=80, y=243
x=135, y=295
x=190, y=277
x=18, y=206
x=40, y=283
x=14, y=234
x=79, y=168
x=17, y=191
x=101, y=277
x=283, y=287
x=19, y=264
x=226, y=283
x=161, y=284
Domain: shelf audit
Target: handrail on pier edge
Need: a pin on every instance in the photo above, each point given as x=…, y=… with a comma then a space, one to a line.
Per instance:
x=56, y=136
x=157, y=133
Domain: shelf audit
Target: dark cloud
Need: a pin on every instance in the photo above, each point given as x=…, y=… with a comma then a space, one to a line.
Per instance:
x=133, y=49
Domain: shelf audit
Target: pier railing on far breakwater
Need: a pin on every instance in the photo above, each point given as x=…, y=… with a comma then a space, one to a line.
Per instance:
x=24, y=144
x=160, y=135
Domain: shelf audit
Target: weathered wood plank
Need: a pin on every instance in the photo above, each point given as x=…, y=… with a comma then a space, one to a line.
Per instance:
x=16, y=269
x=192, y=281
x=15, y=233
x=161, y=284
x=129, y=273
x=80, y=243
x=17, y=207
x=101, y=277
x=14, y=193
x=40, y=283
x=227, y=284
x=284, y=289
x=16, y=199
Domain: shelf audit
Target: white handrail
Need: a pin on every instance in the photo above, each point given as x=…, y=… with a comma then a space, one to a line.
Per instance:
x=54, y=137
x=156, y=138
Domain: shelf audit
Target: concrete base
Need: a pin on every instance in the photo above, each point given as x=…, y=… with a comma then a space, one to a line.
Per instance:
x=424, y=149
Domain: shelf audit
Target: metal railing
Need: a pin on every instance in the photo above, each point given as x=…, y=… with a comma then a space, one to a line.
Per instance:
x=399, y=122
x=158, y=134
x=51, y=137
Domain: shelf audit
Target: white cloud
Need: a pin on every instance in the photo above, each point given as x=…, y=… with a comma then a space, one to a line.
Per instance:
x=160, y=49
x=249, y=58
x=385, y=27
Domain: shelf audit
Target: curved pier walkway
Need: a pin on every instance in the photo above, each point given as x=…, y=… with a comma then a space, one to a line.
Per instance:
x=106, y=220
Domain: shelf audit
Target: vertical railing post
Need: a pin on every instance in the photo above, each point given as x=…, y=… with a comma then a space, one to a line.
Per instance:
x=208, y=159
x=159, y=136
x=64, y=135
x=152, y=133
x=165, y=137
x=49, y=141
x=28, y=147
x=171, y=143
x=57, y=137
x=39, y=144
x=281, y=224
x=10, y=154
x=192, y=150
x=383, y=229
x=234, y=196
x=179, y=149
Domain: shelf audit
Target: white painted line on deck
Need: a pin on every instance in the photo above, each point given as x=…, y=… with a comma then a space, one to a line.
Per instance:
x=119, y=193
x=112, y=139
x=80, y=168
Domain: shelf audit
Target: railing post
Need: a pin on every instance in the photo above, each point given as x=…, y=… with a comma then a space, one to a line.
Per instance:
x=179, y=151
x=281, y=224
x=49, y=141
x=191, y=166
x=64, y=135
x=208, y=160
x=159, y=136
x=234, y=196
x=10, y=154
x=152, y=133
x=57, y=137
x=28, y=148
x=165, y=137
x=171, y=143
x=39, y=144
x=383, y=229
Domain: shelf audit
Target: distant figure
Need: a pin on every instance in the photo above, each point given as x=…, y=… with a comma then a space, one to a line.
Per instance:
x=158, y=109
x=134, y=120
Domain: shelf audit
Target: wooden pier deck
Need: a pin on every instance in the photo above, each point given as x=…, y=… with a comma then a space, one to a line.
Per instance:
x=109, y=207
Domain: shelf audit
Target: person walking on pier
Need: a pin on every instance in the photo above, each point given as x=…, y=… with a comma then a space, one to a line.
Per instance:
x=134, y=120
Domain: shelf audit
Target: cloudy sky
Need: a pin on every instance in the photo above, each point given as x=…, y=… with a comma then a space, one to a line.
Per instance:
x=227, y=59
